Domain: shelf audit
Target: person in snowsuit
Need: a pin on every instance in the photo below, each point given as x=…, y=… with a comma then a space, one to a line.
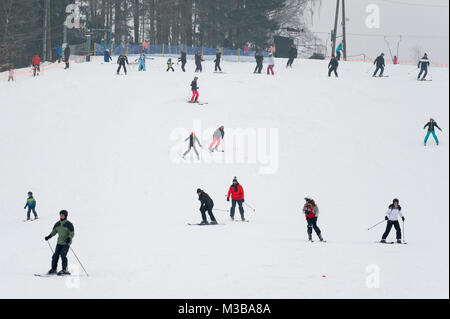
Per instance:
x=206, y=205
x=379, y=61
x=311, y=211
x=236, y=191
x=339, y=51
x=67, y=56
x=424, y=63
x=393, y=215
x=141, y=60
x=11, y=74
x=333, y=66
x=121, y=60
x=271, y=64
x=36, y=63
x=431, y=125
x=217, y=61
x=107, y=57
x=293, y=53
x=66, y=232
x=183, y=60
x=31, y=205
x=259, y=57
x=194, y=88
x=192, y=140
x=170, y=65
x=198, y=62
x=217, y=138
x=59, y=52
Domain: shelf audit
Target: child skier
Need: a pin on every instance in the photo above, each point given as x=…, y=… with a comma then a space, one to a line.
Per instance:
x=333, y=66
x=198, y=62
x=379, y=61
x=121, y=62
x=217, y=67
x=206, y=205
x=424, y=63
x=11, y=74
x=271, y=64
x=194, y=88
x=192, y=140
x=217, y=138
x=236, y=191
x=311, y=212
x=141, y=60
x=107, y=57
x=392, y=216
x=170, y=65
x=431, y=131
x=259, y=57
x=65, y=232
x=31, y=205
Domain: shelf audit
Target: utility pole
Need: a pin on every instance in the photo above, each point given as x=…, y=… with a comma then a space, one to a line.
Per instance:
x=44, y=44
x=335, y=27
x=47, y=44
x=344, y=32
x=344, y=39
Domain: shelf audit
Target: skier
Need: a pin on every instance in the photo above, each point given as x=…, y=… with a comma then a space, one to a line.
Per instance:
x=271, y=64
x=424, y=63
x=107, y=57
x=65, y=232
x=183, y=60
x=259, y=57
x=121, y=60
x=36, y=63
x=431, y=131
x=141, y=60
x=379, y=61
x=194, y=88
x=339, y=51
x=217, y=61
x=395, y=60
x=67, y=56
x=206, y=205
x=170, y=65
x=333, y=66
x=217, y=138
x=11, y=74
x=192, y=140
x=59, y=52
x=31, y=205
x=198, y=62
x=236, y=192
x=311, y=212
x=392, y=216
x=293, y=53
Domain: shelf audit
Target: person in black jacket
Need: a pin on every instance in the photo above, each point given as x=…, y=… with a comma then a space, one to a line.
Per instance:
x=192, y=140
x=183, y=60
x=206, y=205
x=379, y=61
x=66, y=56
x=217, y=60
x=198, y=62
x=293, y=53
x=431, y=131
x=121, y=60
x=424, y=63
x=259, y=57
x=333, y=66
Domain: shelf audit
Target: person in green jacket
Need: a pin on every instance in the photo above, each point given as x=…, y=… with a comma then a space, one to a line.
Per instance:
x=170, y=65
x=65, y=232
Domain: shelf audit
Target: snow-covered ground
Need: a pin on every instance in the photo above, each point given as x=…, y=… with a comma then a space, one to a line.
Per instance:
x=102, y=146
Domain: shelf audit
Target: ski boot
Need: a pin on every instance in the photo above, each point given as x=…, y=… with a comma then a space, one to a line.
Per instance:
x=51, y=272
x=36, y=217
x=232, y=218
x=28, y=218
x=310, y=238
x=320, y=238
x=242, y=217
x=213, y=222
x=64, y=272
x=383, y=241
x=399, y=241
x=204, y=222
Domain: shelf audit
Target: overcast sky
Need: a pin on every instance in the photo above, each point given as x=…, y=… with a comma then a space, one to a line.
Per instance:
x=420, y=22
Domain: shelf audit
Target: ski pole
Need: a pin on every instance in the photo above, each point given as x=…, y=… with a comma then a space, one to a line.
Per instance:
x=377, y=224
x=50, y=247
x=249, y=206
x=404, y=237
x=78, y=260
x=221, y=210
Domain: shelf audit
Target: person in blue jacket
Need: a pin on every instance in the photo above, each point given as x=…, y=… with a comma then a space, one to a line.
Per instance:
x=31, y=204
x=141, y=60
x=59, y=53
x=107, y=57
x=338, y=51
x=431, y=125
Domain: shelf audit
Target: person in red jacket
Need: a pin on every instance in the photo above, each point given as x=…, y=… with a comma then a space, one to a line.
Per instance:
x=36, y=62
x=237, y=196
x=311, y=211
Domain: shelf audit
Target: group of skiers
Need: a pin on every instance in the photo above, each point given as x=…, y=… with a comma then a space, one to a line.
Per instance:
x=217, y=138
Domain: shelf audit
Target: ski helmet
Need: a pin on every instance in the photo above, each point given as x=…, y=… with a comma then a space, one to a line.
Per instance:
x=65, y=213
x=199, y=190
x=30, y=193
x=396, y=201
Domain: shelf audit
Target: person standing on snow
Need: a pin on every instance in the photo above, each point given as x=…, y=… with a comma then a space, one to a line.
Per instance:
x=65, y=232
x=59, y=52
x=183, y=60
x=31, y=205
x=271, y=64
x=36, y=63
x=431, y=131
x=194, y=88
x=141, y=60
x=293, y=53
x=170, y=65
x=311, y=211
x=198, y=62
x=379, y=61
x=236, y=191
x=121, y=60
x=393, y=215
x=67, y=56
x=107, y=57
x=424, y=63
x=192, y=140
x=206, y=205
x=339, y=51
x=217, y=61
x=11, y=74
x=259, y=57
x=333, y=66
x=217, y=138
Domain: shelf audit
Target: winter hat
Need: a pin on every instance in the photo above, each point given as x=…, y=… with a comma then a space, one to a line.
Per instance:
x=64, y=212
x=395, y=201
x=235, y=179
x=30, y=193
x=308, y=198
x=199, y=190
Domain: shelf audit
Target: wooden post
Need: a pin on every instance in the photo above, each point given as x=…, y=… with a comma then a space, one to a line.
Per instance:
x=95, y=49
x=239, y=55
x=335, y=28
x=163, y=49
x=344, y=39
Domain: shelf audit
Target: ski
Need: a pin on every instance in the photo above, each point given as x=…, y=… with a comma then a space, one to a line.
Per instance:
x=242, y=221
x=189, y=224
x=198, y=103
x=56, y=275
x=30, y=220
x=386, y=243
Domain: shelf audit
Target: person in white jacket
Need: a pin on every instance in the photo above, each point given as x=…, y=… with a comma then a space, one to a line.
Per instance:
x=393, y=215
x=271, y=62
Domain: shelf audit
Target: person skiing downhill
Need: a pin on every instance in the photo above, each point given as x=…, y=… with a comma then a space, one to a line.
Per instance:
x=31, y=205
x=217, y=138
x=271, y=64
x=424, y=63
x=236, y=191
x=217, y=67
x=192, y=140
x=393, y=215
x=121, y=60
x=66, y=232
x=107, y=56
x=206, y=205
x=198, y=62
x=36, y=63
x=11, y=74
x=431, y=125
x=379, y=61
x=183, y=60
x=293, y=53
x=194, y=88
x=141, y=60
x=170, y=65
x=333, y=66
x=311, y=211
